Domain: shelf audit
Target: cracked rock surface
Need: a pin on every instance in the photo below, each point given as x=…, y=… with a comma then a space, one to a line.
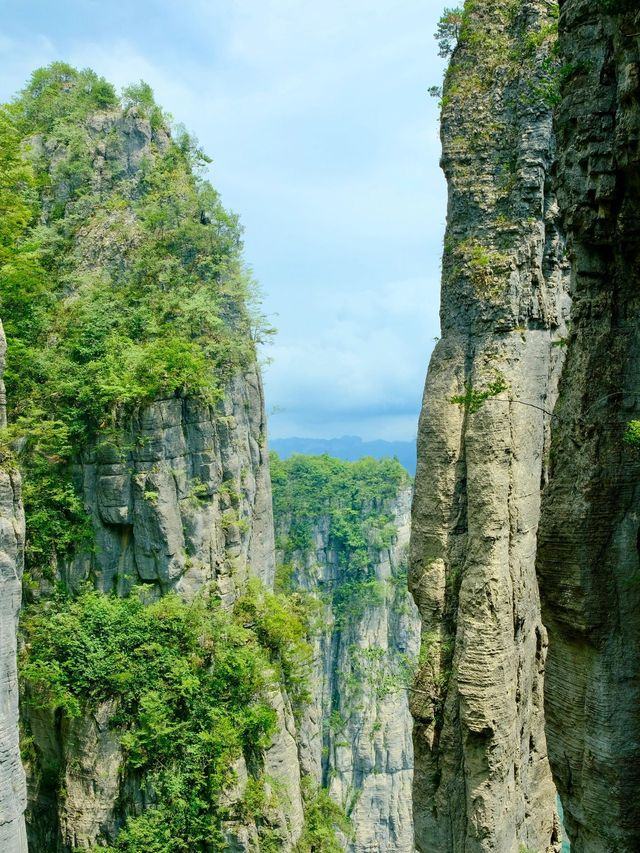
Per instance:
x=13, y=795
x=482, y=778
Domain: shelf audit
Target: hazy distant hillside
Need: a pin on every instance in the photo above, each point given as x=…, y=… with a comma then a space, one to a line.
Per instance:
x=349, y=448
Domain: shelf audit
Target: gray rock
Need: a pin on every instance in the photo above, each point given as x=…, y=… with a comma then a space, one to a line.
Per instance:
x=355, y=735
x=12, y=778
x=179, y=498
x=92, y=778
x=588, y=564
x=482, y=778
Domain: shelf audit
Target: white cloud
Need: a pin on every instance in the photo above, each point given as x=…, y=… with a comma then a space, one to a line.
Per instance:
x=362, y=360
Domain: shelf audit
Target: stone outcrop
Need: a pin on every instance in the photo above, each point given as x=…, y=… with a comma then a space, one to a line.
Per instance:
x=182, y=498
x=482, y=777
x=536, y=217
x=186, y=505
x=12, y=780
x=355, y=734
x=178, y=496
x=588, y=564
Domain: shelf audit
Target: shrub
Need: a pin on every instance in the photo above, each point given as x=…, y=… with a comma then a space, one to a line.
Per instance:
x=448, y=31
x=324, y=820
x=190, y=684
x=281, y=624
x=632, y=434
x=472, y=399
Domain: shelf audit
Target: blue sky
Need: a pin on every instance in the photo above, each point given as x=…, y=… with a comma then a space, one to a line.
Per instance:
x=325, y=141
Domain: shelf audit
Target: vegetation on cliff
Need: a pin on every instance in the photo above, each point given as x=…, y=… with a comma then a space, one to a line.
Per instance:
x=354, y=497
x=342, y=537
x=190, y=685
x=121, y=279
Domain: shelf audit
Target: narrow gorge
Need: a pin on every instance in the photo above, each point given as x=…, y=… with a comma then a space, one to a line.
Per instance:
x=206, y=647
x=179, y=690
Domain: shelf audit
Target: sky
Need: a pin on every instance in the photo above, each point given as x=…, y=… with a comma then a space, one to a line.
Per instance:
x=324, y=139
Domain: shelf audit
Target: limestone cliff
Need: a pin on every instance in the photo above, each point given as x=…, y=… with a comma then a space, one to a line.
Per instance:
x=143, y=447
x=588, y=553
x=564, y=223
x=185, y=505
x=13, y=795
x=482, y=777
x=181, y=498
x=355, y=733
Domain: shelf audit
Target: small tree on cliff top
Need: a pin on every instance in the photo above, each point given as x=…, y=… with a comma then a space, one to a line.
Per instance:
x=448, y=31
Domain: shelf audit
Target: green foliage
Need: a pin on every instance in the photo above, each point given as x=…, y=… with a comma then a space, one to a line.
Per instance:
x=60, y=96
x=189, y=684
x=324, y=819
x=632, y=434
x=485, y=268
x=282, y=626
x=17, y=195
x=379, y=674
x=448, y=31
x=54, y=509
x=434, y=670
x=352, y=495
x=352, y=598
x=473, y=400
x=140, y=95
x=116, y=288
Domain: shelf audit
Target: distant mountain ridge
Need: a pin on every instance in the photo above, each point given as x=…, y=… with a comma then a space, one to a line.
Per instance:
x=348, y=447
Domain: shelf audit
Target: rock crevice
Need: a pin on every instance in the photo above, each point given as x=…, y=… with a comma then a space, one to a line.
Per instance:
x=588, y=555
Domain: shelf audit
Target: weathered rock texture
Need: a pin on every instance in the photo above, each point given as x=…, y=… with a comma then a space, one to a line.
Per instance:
x=13, y=795
x=179, y=499
x=482, y=777
x=588, y=563
x=355, y=735
x=186, y=504
x=182, y=498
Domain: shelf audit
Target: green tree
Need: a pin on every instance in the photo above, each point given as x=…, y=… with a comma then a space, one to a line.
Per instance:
x=324, y=821
x=189, y=685
x=448, y=31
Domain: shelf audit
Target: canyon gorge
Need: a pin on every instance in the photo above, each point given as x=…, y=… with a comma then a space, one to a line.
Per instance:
x=205, y=647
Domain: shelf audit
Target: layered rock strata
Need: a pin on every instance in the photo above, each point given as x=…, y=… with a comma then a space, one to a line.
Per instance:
x=13, y=795
x=182, y=498
x=588, y=564
x=482, y=777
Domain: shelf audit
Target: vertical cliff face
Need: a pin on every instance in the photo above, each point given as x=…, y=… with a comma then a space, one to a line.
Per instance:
x=588, y=554
x=181, y=498
x=152, y=712
x=482, y=777
x=13, y=793
x=347, y=550
x=180, y=501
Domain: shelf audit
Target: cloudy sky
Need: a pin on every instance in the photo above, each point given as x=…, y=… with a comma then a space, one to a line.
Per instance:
x=325, y=140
